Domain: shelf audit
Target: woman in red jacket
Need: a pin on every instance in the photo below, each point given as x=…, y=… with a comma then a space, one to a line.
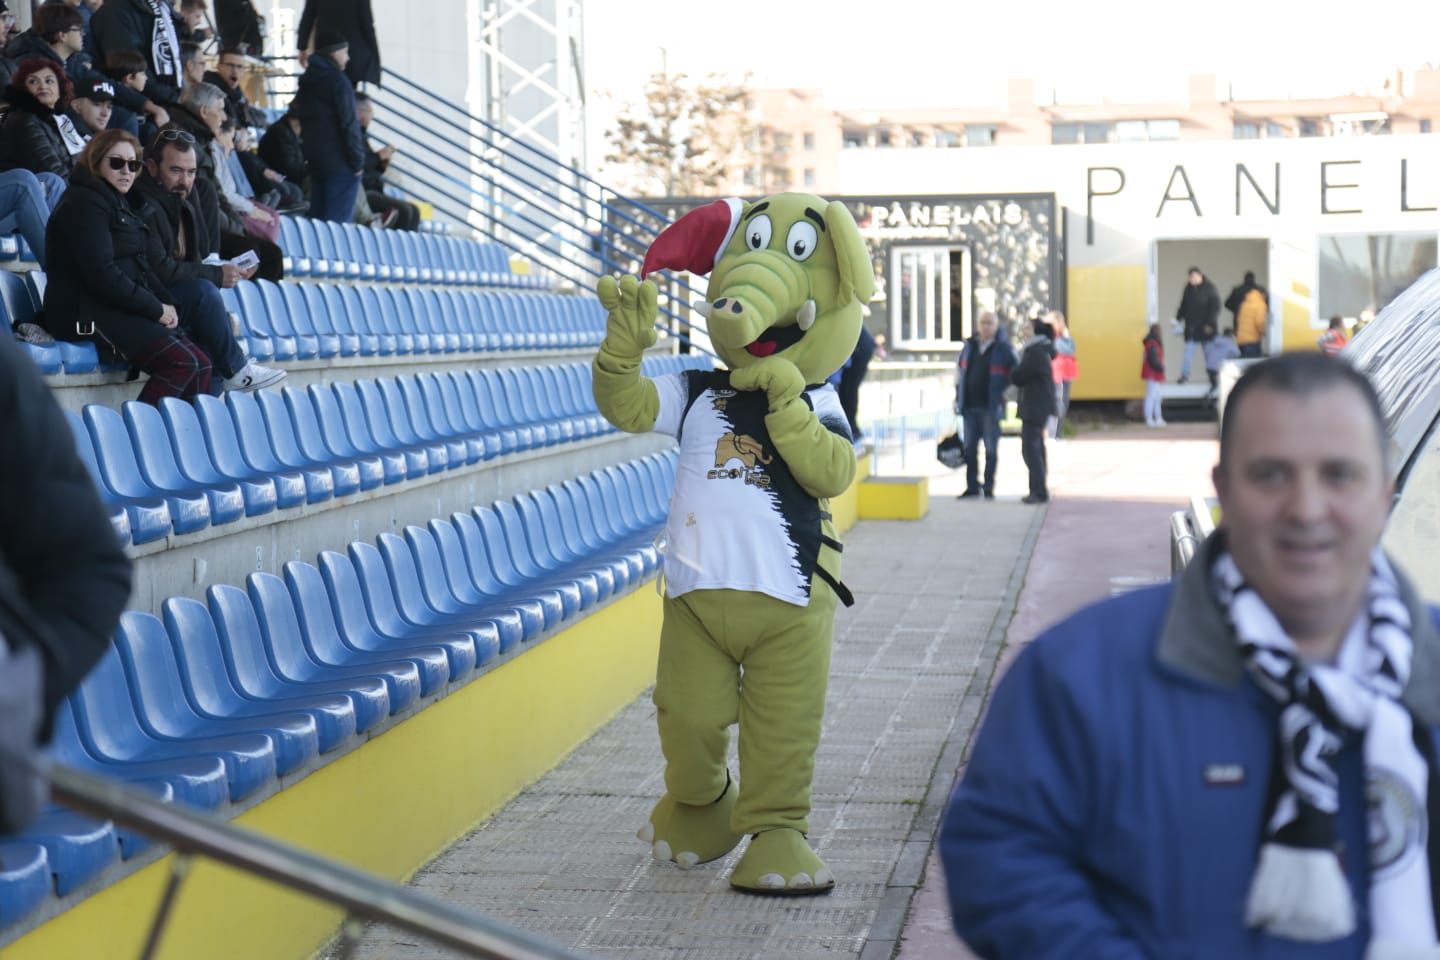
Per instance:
x=1152, y=371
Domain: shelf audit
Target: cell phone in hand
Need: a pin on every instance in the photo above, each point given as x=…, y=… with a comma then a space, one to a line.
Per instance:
x=246, y=260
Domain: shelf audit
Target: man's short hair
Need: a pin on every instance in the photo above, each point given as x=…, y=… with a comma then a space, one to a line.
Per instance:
x=233, y=50
x=54, y=18
x=1299, y=374
x=119, y=64
x=189, y=53
x=198, y=96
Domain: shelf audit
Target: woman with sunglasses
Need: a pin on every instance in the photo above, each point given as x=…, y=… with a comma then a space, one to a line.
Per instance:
x=35, y=133
x=102, y=283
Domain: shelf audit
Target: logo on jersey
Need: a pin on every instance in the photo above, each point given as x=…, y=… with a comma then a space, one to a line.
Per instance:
x=751, y=454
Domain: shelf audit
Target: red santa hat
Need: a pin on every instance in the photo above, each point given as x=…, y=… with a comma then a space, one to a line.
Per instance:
x=695, y=242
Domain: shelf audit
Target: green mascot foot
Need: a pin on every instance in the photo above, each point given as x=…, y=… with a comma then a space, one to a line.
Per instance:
x=780, y=862
x=688, y=834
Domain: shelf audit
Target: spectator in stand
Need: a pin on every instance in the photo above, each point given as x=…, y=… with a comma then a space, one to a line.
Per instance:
x=355, y=23
x=64, y=577
x=1333, y=340
x=282, y=149
x=241, y=27
x=261, y=220
x=377, y=162
x=25, y=208
x=334, y=146
x=91, y=107
x=35, y=132
x=269, y=185
x=146, y=26
x=192, y=63
x=58, y=34
x=226, y=76
x=126, y=69
x=101, y=286
x=192, y=26
x=165, y=190
x=86, y=9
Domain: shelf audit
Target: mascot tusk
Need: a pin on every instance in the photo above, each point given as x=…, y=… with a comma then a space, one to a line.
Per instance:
x=703, y=307
x=805, y=316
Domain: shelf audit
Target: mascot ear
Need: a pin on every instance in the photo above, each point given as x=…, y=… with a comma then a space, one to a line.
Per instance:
x=857, y=276
x=695, y=242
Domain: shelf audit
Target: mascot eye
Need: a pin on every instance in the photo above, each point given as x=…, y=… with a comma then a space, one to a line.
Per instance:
x=800, y=241
x=757, y=234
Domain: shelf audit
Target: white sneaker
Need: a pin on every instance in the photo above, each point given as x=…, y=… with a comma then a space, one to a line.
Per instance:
x=254, y=376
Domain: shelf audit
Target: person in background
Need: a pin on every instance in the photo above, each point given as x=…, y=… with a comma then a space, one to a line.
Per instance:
x=101, y=285
x=333, y=143
x=148, y=27
x=192, y=27
x=64, y=578
x=283, y=151
x=1250, y=304
x=1217, y=351
x=1066, y=368
x=226, y=75
x=126, y=70
x=91, y=107
x=192, y=63
x=1238, y=763
x=1199, y=309
x=406, y=215
x=25, y=208
x=241, y=27
x=35, y=132
x=351, y=20
x=982, y=375
x=268, y=184
x=1152, y=371
x=849, y=378
x=1035, y=377
x=1333, y=340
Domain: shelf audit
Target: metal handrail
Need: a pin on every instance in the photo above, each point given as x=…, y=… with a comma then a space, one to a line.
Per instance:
x=363, y=896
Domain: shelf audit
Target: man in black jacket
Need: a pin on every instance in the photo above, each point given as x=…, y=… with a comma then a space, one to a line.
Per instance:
x=166, y=187
x=377, y=162
x=64, y=578
x=1199, y=308
x=334, y=145
x=354, y=22
x=226, y=75
x=146, y=26
x=282, y=148
x=1035, y=377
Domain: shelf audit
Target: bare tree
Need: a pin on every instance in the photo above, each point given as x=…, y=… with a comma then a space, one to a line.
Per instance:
x=686, y=138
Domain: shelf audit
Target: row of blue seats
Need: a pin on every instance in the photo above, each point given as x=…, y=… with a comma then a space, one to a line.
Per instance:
x=320, y=248
x=218, y=701
x=300, y=321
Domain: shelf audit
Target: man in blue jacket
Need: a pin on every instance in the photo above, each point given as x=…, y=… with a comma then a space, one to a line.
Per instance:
x=980, y=381
x=334, y=145
x=1238, y=765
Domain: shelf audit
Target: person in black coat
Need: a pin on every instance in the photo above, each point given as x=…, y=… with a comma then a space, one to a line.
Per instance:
x=1036, y=380
x=135, y=25
x=1199, y=308
x=35, y=133
x=240, y=26
x=372, y=180
x=102, y=285
x=282, y=148
x=352, y=20
x=64, y=578
x=334, y=145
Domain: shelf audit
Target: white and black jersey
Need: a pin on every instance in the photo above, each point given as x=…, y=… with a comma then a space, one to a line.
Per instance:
x=738, y=518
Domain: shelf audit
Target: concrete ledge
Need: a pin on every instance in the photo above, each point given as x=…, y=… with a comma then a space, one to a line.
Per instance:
x=894, y=498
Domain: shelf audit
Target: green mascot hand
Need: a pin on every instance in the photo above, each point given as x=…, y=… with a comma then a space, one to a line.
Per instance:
x=781, y=380
x=627, y=399
x=630, y=329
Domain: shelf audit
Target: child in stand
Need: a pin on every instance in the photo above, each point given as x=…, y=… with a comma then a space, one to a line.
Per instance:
x=1217, y=351
x=1152, y=371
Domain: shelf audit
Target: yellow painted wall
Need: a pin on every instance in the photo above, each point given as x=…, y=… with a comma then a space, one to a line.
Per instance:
x=388, y=807
x=1297, y=322
x=1107, y=319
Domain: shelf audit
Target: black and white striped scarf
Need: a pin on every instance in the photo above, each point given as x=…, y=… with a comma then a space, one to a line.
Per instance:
x=1299, y=890
x=164, y=46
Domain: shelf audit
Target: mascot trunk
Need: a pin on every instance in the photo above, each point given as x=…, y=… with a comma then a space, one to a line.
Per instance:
x=752, y=562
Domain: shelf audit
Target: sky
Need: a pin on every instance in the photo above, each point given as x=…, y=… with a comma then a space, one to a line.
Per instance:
x=925, y=53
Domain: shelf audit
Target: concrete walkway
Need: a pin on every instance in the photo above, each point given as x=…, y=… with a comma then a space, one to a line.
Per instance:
x=937, y=602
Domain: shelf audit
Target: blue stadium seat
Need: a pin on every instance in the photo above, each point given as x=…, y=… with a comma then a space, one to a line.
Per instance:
x=317, y=250
x=514, y=568
x=477, y=384
x=296, y=329
x=531, y=564
x=158, y=693
x=292, y=659
x=456, y=396
x=362, y=248
x=134, y=520
x=326, y=644
x=189, y=509
x=443, y=305
x=259, y=451
x=111, y=730
x=326, y=301
x=255, y=314
x=546, y=531
x=315, y=444
x=344, y=474
x=373, y=264
x=343, y=242
x=24, y=879
x=368, y=422
x=466, y=587
x=387, y=266
x=363, y=310
x=353, y=606
x=352, y=441
x=158, y=465
x=583, y=534
x=219, y=680
x=222, y=447
x=487, y=558
x=413, y=606
x=77, y=848
x=316, y=320
x=432, y=428
x=296, y=261
x=382, y=400
x=258, y=677
x=451, y=594
x=197, y=781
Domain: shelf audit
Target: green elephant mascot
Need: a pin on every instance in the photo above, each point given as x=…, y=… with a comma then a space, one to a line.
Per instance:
x=752, y=560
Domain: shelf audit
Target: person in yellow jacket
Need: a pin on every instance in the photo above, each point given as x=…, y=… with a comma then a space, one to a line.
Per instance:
x=1250, y=303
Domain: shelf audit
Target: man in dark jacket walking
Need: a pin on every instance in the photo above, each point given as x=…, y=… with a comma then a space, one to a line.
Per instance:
x=64, y=577
x=353, y=21
x=1036, y=380
x=334, y=145
x=982, y=376
x=1199, y=308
